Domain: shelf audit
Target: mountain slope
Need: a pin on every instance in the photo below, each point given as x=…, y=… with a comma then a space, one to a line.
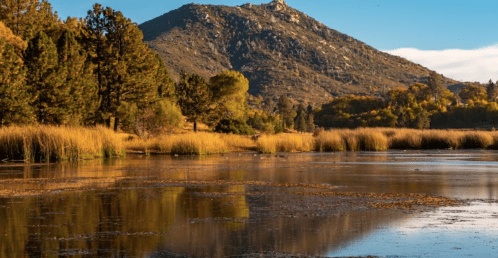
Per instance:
x=279, y=49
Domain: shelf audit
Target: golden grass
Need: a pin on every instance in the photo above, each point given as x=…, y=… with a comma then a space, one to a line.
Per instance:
x=377, y=139
x=285, y=142
x=200, y=143
x=50, y=143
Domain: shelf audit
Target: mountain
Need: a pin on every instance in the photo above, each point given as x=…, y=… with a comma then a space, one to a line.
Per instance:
x=279, y=49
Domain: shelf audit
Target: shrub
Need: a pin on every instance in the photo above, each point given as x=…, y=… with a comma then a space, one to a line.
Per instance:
x=236, y=126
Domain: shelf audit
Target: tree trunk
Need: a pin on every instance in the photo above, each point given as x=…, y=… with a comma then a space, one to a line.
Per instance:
x=116, y=119
x=195, y=126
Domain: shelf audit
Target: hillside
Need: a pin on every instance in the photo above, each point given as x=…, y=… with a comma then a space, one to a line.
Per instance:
x=279, y=49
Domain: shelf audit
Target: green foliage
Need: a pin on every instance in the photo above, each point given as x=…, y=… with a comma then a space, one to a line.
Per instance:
x=229, y=92
x=235, y=126
x=27, y=17
x=194, y=97
x=14, y=99
x=82, y=99
x=491, y=90
x=47, y=81
x=286, y=110
x=434, y=84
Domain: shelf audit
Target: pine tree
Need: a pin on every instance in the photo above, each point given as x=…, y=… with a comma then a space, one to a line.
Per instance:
x=491, y=90
x=286, y=110
x=165, y=85
x=435, y=85
x=26, y=17
x=81, y=102
x=310, y=123
x=125, y=67
x=300, y=119
x=46, y=80
x=96, y=45
x=12, y=39
x=14, y=99
x=135, y=65
x=194, y=97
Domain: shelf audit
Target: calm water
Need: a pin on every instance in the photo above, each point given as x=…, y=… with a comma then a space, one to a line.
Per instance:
x=138, y=207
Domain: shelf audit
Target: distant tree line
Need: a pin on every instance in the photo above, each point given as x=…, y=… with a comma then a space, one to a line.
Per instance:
x=420, y=106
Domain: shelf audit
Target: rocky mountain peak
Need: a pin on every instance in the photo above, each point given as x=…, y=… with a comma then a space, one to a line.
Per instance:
x=279, y=49
x=278, y=5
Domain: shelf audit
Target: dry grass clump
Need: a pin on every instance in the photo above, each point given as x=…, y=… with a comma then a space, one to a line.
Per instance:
x=285, y=143
x=440, y=139
x=476, y=140
x=329, y=141
x=371, y=139
x=238, y=142
x=406, y=139
x=200, y=143
x=50, y=143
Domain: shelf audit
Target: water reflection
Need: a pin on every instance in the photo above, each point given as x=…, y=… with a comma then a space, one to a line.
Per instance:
x=104, y=208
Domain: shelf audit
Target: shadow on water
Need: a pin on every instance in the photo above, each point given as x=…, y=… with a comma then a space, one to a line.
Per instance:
x=127, y=208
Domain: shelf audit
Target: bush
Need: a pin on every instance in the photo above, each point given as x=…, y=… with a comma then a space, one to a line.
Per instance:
x=235, y=126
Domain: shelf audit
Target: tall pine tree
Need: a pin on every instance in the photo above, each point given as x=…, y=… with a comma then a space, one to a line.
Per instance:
x=26, y=17
x=124, y=65
x=194, y=97
x=14, y=99
x=46, y=80
x=81, y=102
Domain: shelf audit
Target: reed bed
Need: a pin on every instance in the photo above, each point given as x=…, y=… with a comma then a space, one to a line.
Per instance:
x=378, y=139
x=200, y=143
x=51, y=143
x=285, y=143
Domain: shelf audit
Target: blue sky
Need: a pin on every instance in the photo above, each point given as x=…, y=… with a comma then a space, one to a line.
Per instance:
x=399, y=26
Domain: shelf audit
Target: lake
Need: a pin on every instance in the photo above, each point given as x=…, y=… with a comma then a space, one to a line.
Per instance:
x=250, y=205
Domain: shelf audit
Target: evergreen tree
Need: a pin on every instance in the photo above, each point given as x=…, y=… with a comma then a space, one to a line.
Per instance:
x=12, y=39
x=14, y=99
x=194, y=97
x=435, y=85
x=165, y=85
x=96, y=45
x=126, y=69
x=300, y=119
x=286, y=110
x=81, y=102
x=46, y=81
x=26, y=17
x=491, y=90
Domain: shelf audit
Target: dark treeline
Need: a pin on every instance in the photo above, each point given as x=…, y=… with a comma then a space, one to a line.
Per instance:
x=420, y=106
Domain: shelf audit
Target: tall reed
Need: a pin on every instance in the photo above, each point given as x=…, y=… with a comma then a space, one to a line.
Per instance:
x=50, y=143
x=200, y=143
x=285, y=143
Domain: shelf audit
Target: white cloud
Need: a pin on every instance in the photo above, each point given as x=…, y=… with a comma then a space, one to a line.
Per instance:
x=463, y=65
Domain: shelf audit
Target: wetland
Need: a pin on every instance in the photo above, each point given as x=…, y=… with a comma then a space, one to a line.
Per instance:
x=342, y=204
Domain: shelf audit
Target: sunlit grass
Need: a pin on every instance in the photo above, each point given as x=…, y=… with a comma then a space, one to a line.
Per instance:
x=200, y=143
x=285, y=143
x=50, y=143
